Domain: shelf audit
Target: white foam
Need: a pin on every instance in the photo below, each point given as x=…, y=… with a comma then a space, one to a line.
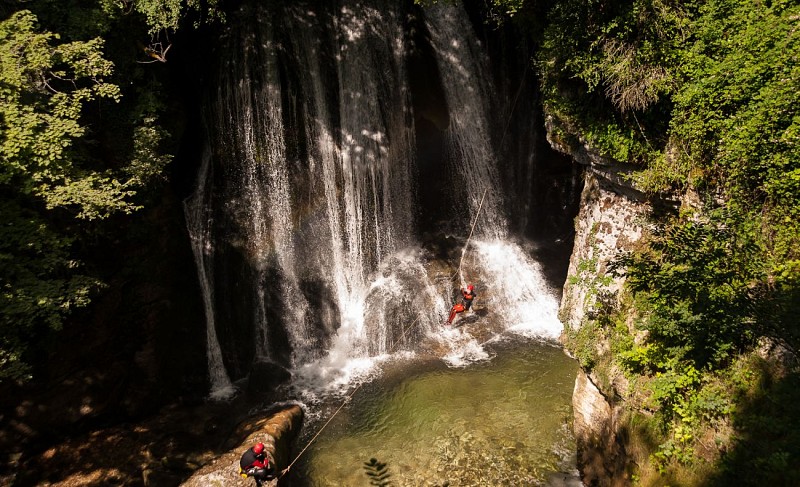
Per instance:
x=511, y=287
x=222, y=393
x=517, y=290
x=466, y=354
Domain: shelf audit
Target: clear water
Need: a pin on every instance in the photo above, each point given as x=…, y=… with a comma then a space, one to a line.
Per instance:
x=502, y=421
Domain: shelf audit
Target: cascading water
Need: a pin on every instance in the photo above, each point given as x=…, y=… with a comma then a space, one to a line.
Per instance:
x=196, y=208
x=470, y=154
x=253, y=131
x=362, y=145
x=310, y=242
x=303, y=227
x=518, y=290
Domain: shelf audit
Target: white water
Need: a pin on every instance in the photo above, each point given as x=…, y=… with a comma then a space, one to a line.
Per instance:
x=361, y=181
x=519, y=293
x=511, y=286
x=196, y=208
x=254, y=118
x=463, y=65
x=515, y=288
x=367, y=181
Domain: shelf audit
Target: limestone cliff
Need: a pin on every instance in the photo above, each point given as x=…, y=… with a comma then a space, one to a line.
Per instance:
x=609, y=220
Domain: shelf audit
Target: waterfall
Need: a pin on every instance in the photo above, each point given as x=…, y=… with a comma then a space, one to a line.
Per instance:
x=463, y=65
x=361, y=149
x=524, y=299
x=198, y=220
x=304, y=221
x=311, y=130
x=248, y=125
x=519, y=292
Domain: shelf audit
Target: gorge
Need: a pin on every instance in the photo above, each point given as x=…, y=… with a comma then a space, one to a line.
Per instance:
x=349, y=167
x=262, y=216
x=314, y=202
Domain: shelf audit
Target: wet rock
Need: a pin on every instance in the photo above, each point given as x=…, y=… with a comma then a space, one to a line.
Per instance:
x=265, y=377
x=277, y=431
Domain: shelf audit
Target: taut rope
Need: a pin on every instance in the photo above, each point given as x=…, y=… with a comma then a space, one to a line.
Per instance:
x=346, y=400
x=474, y=222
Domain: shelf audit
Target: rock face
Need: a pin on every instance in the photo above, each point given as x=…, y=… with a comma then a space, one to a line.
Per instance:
x=601, y=456
x=610, y=220
x=276, y=431
x=606, y=223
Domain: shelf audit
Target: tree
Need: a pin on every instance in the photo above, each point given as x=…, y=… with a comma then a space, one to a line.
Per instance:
x=50, y=183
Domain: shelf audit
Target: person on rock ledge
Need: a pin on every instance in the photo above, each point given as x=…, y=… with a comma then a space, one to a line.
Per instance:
x=467, y=295
x=255, y=463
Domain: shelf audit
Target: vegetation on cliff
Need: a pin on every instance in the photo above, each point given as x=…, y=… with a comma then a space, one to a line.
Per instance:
x=703, y=97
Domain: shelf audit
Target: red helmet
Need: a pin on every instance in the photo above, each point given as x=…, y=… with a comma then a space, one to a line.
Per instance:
x=470, y=288
x=258, y=449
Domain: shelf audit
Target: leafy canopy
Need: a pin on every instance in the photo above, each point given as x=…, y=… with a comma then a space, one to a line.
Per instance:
x=43, y=88
x=702, y=97
x=53, y=180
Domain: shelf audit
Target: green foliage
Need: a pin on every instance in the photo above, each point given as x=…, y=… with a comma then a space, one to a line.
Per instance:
x=582, y=342
x=45, y=86
x=148, y=162
x=164, y=16
x=696, y=279
x=497, y=9
x=736, y=112
x=39, y=284
x=593, y=284
x=605, y=73
x=599, y=305
x=765, y=415
x=55, y=176
x=700, y=294
x=377, y=472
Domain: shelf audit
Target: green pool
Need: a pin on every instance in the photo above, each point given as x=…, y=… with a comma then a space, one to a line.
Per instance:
x=502, y=421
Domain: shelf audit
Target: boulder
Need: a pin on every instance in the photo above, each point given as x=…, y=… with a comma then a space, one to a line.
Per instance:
x=276, y=430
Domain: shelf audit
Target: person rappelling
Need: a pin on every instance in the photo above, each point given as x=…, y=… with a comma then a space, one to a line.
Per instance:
x=467, y=296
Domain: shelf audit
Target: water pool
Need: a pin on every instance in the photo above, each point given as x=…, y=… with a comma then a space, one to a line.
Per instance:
x=501, y=421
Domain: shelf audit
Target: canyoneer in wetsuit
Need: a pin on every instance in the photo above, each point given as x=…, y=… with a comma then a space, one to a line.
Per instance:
x=467, y=296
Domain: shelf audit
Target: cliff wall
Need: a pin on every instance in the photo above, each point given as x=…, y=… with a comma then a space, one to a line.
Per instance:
x=610, y=220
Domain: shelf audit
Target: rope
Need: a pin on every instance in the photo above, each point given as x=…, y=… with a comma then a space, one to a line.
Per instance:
x=474, y=222
x=346, y=400
x=514, y=105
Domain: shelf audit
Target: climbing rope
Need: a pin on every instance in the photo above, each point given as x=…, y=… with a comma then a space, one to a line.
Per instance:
x=474, y=222
x=352, y=393
x=502, y=141
x=346, y=400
